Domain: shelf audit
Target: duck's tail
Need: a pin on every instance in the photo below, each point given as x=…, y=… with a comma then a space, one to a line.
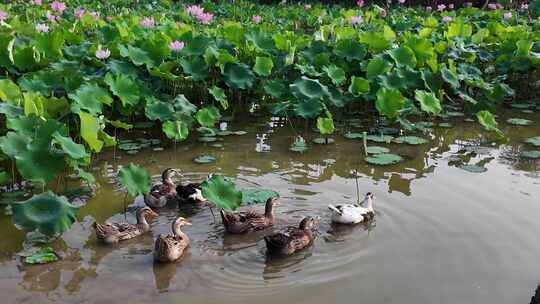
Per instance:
x=335, y=209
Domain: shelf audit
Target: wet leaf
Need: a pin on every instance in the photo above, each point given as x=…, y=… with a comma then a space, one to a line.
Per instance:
x=257, y=196
x=42, y=256
x=222, y=193
x=384, y=159
x=135, y=179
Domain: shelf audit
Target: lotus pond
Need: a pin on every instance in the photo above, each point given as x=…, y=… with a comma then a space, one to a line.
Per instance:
x=442, y=233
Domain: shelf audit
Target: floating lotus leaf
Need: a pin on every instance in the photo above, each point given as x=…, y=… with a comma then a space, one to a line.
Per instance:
x=135, y=179
x=91, y=98
x=519, y=122
x=428, y=101
x=455, y=114
x=224, y=133
x=207, y=131
x=309, y=89
x=176, y=130
x=389, y=102
x=473, y=168
x=238, y=76
x=207, y=139
x=410, y=140
x=257, y=196
x=380, y=138
x=353, y=135
x=208, y=116
x=222, y=193
x=42, y=256
x=377, y=150
x=384, y=159
x=204, y=159
x=47, y=213
x=445, y=125
x=531, y=154
x=239, y=132
x=220, y=96
x=323, y=140
x=216, y=145
x=522, y=105
x=74, y=150
x=263, y=66
x=129, y=146
x=358, y=86
x=535, y=141
x=299, y=146
x=527, y=111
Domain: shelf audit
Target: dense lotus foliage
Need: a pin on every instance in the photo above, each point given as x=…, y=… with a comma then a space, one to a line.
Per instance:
x=74, y=72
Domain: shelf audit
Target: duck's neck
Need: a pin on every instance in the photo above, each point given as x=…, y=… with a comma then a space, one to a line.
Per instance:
x=168, y=181
x=369, y=204
x=177, y=231
x=269, y=211
x=141, y=221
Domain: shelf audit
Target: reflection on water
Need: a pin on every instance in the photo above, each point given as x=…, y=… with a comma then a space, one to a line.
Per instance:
x=438, y=232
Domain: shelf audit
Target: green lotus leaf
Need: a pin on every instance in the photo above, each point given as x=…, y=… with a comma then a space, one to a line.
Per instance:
x=459, y=29
x=88, y=177
x=380, y=138
x=108, y=141
x=403, y=56
x=431, y=81
x=422, y=48
x=156, y=109
x=125, y=88
x=91, y=98
x=530, y=154
x=208, y=131
x=307, y=69
x=10, y=111
x=428, y=101
x=196, y=67
x=335, y=73
x=393, y=80
x=262, y=40
x=263, y=66
x=233, y=32
x=350, y=49
x=165, y=71
x=353, y=135
x=384, y=159
x=359, y=86
x=89, y=131
x=389, y=102
x=519, y=121
x=308, y=109
x=323, y=140
x=204, y=159
x=136, y=55
x=445, y=125
x=13, y=143
x=306, y=88
x=487, y=120
x=183, y=106
x=50, y=45
x=325, y=125
x=120, y=124
x=135, y=179
x=299, y=147
x=410, y=140
x=24, y=58
x=47, y=213
x=473, y=168
x=176, y=130
x=42, y=256
x=10, y=92
x=38, y=164
x=535, y=141
x=275, y=88
x=450, y=77
x=207, y=139
x=377, y=150
x=74, y=150
x=376, y=41
x=377, y=66
x=195, y=46
x=222, y=193
x=208, y=116
x=257, y=196
x=220, y=96
x=238, y=76
x=522, y=105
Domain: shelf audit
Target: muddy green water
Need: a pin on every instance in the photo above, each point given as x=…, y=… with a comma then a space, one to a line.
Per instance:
x=441, y=234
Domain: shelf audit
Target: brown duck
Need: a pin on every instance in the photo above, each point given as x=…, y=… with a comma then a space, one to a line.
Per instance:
x=243, y=222
x=162, y=193
x=292, y=239
x=169, y=248
x=112, y=233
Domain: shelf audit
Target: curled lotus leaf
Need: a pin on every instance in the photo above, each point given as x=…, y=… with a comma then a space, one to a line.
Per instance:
x=306, y=88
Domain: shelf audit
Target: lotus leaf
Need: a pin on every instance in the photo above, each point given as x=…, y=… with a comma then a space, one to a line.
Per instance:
x=136, y=55
x=389, y=102
x=308, y=109
x=47, y=213
x=204, y=159
x=299, y=146
x=91, y=98
x=384, y=159
x=89, y=131
x=275, y=88
x=487, y=120
x=196, y=67
x=428, y=101
x=535, y=141
x=403, y=56
x=120, y=124
x=183, y=106
x=71, y=148
x=323, y=140
x=325, y=125
x=309, y=89
x=10, y=92
x=352, y=135
x=257, y=196
x=238, y=76
x=207, y=139
x=335, y=73
x=380, y=138
x=208, y=116
x=350, y=49
x=450, y=77
x=176, y=130
x=377, y=150
x=377, y=66
x=410, y=140
x=221, y=192
x=263, y=66
x=519, y=121
x=156, y=109
x=135, y=179
x=220, y=96
x=473, y=168
x=358, y=86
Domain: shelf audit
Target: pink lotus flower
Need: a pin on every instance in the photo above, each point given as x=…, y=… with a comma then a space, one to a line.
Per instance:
x=176, y=46
x=148, y=22
x=3, y=16
x=58, y=6
x=256, y=19
x=383, y=13
x=194, y=10
x=429, y=9
x=507, y=15
x=79, y=13
x=37, y=2
x=205, y=18
x=451, y=6
x=51, y=17
x=360, y=3
x=356, y=20
x=524, y=6
x=307, y=6
x=492, y=6
x=102, y=54
x=401, y=1
x=42, y=28
x=447, y=18
x=109, y=18
x=441, y=7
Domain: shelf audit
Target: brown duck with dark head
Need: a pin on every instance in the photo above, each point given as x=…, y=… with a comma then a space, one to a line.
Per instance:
x=163, y=193
x=292, y=239
x=243, y=222
x=112, y=233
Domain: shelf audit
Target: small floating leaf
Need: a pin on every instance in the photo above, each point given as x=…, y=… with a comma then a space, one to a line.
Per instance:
x=411, y=140
x=473, y=168
x=257, y=196
x=43, y=256
x=239, y=132
x=384, y=159
x=204, y=159
x=455, y=114
x=521, y=105
x=216, y=145
x=323, y=140
x=377, y=150
x=531, y=154
x=519, y=121
x=299, y=146
x=352, y=135
x=535, y=141
x=380, y=138
x=445, y=125
x=224, y=133
x=207, y=139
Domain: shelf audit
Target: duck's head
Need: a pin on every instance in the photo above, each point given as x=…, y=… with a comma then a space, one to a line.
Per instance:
x=273, y=201
x=370, y=195
x=308, y=223
x=146, y=212
x=169, y=173
x=180, y=221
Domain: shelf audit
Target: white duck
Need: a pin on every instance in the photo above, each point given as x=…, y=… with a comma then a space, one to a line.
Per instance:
x=353, y=214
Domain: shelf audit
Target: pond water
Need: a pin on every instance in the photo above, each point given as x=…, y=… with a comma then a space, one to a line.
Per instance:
x=441, y=234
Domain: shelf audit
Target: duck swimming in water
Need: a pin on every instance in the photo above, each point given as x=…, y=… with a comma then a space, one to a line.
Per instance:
x=163, y=193
x=293, y=239
x=352, y=213
x=243, y=222
x=170, y=248
x=112, y=233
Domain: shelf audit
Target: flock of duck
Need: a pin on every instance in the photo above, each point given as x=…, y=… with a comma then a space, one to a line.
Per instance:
x=170, y=248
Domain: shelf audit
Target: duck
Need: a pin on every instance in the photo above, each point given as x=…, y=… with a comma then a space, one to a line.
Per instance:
x=171, y=247
x=353, y=213
x=243, y=222
x=163, y=193
x=192, y=192
x=112, y=233
x=292, y=239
